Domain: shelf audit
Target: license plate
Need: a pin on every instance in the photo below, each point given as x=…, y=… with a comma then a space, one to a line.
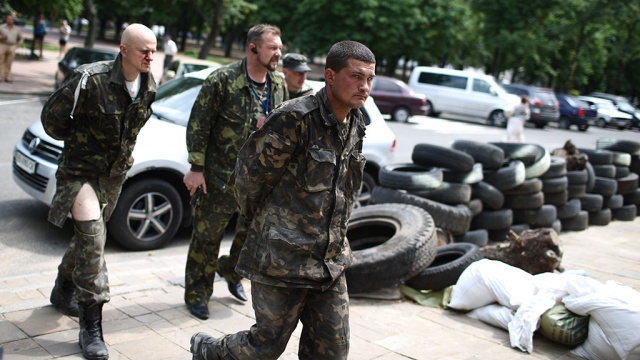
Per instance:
x=25, y=163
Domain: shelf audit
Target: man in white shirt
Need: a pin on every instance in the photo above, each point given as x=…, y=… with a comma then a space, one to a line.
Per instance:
x=170, y=49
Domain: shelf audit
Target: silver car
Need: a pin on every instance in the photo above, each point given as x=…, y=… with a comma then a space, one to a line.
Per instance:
x=154, y=202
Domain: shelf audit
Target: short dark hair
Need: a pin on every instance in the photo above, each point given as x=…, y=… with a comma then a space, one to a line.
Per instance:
x=255, y=33
x=340, y=53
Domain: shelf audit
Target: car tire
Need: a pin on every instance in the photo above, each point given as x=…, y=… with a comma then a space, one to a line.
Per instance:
x=577, y=223
x=625, y=213
x=364, y=195
x=410, y=176
x=564, y=123
x=440, y=156
x=490, y=156
x=430, y=111
x=391, y=243
x=583, y=128
x=147, y=216
x=601, y=123
x=497, y=118
x=450, y=261
x=401, y=114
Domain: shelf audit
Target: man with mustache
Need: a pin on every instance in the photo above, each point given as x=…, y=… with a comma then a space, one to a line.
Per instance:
x=109, y=102
x=233, y=102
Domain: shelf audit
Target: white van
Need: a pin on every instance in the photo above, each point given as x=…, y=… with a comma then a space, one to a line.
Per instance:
x=463, y=93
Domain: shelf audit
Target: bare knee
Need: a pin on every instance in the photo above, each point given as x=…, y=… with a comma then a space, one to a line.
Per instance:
x=86, y=206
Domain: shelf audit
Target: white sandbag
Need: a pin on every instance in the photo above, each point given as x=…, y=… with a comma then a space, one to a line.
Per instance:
x=493, y=314
x=596, y=347
x=616, y=310
x=527, y=320
x=564, y=283
x=487, y=281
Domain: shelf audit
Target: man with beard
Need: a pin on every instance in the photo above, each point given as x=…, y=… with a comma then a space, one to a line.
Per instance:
x=233, y=102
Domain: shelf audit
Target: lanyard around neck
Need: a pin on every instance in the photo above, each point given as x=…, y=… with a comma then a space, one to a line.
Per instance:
x=265, y=104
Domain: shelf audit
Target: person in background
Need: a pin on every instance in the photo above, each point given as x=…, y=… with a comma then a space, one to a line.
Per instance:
x=515, y=124
x=296, y=182
x=65, y=33
x=10, y=39
x=233, y=102
x=113, y=104
x=39, y=31
x=170, y=49
x=295, y=69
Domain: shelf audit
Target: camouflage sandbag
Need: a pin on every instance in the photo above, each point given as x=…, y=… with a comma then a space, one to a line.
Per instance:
x=560, y=325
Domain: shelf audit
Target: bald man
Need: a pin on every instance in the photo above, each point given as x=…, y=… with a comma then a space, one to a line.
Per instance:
x=113, y=103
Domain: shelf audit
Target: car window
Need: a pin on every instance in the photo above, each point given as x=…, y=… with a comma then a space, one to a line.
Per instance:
x=175, y=99
x=516, y=91
x=386, y=85
x=85, y=57
x=625, y=106
x=187, y=68
x=174, y=66
x=546, y=97
x=458, y=82
x=482, y=86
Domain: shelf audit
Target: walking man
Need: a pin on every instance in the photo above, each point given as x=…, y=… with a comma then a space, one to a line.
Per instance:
x=297, y=179
x=170, y=49
x=10, y=39
x=233, y=102
x=113, y=103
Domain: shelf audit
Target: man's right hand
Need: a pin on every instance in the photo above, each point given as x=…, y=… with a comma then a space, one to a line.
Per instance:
x=193, y=180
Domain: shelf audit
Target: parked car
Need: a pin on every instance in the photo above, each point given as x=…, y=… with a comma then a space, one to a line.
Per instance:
x=77, y=56
x=181, y=67
x=623, y=105
x=463, y=93
x=396, y=98
x=608, y=113
x=574, y=111
x=154, y=202
x=542, y=103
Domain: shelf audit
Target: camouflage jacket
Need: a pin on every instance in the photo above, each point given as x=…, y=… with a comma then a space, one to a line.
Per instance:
x=224, y=114
x=297, y=180
x=100, y=138
x=305, y=90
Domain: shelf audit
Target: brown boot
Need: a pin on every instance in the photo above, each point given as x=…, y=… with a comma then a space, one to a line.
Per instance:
x=91, y=340
x=63, y=296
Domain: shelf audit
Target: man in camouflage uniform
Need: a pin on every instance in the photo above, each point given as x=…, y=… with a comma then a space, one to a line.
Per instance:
x=113, y=103
x=233, y=102
x=297, y=179
x=295, y=69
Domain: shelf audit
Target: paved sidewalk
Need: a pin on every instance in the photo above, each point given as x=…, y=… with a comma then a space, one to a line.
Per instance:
x=147, y=319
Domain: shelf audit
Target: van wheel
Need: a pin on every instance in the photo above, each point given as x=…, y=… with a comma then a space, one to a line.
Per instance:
x=368, y=183
x=497, y=118
x=430, y=111
x=401, y=114
x=601, y=123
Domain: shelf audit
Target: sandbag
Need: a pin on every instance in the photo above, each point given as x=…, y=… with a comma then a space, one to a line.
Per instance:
x=560, y=325
x=493, y=314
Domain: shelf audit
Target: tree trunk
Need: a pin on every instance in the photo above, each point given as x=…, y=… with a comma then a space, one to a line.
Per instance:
x=92, y=16
x=534, y=251
x=214, y=25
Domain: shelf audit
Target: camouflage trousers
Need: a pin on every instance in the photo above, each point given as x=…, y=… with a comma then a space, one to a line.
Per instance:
x=83, y=262
x=324, y=316
x=209, y=224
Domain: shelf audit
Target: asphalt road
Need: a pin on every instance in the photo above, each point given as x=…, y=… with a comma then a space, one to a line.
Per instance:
x=29, y=244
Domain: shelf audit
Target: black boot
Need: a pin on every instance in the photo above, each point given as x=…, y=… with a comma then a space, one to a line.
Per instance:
x=62, y=296
x=91, y=340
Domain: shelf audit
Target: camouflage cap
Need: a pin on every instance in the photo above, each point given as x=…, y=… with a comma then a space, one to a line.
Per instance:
x=295, y=62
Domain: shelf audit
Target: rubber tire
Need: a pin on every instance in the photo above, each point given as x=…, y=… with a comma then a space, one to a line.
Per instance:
x=600, y=218
x=364, y=195
x=134, y=200
x=524, y=202
x=409, y=176
x=556, y=199
x=476, y=206
x=497, y=118
x=440, y=156
x=543, y=216
x=625, y=213
x=577, y=177
x=564, y=123
x=576, y=191
x=472, y=177
x=607, y=171
x=613, y=202
x=488, y=194
x=557, y=168
x=554, y=185
x=598, y=157
x=478, y=237
x=627, y=184
x=445, y=270
x=622, y=171
x=490, y=156
x=447, y=193
x=456, y=219
x=509, y=176
x=620, y=158
x=625, y=146
x=601, y=123
x=591, y=176
x=529, y=186
x=605, y=186
x=401, y=114
x=493, y=219
x=579, y=222
x=391, y=243
x=591, y=202
x=570, y=209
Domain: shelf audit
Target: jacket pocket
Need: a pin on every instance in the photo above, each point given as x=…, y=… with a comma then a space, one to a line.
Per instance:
x=290, y=254
x=321, y=165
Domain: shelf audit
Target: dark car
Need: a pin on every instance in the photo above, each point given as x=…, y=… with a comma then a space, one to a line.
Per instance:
x=394, y=97
x=623, y=105
x=542, y=103
x=77, y=56
x=574, y=111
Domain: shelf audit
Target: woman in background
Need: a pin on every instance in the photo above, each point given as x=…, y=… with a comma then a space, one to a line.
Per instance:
x=515, y=125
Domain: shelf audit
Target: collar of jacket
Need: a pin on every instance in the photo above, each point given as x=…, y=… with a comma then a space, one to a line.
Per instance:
x=148, y=83
x=327, y=112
